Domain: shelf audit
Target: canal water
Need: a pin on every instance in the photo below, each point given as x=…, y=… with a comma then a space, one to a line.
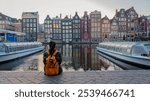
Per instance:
x=76, y=57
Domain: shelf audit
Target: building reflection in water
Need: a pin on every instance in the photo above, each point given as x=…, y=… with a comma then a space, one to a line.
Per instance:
x=95, y=63
x=76, y=57
x=82, y=57
x=86, y=56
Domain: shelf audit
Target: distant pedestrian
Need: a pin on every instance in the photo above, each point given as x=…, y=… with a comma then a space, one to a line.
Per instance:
x=52, y=61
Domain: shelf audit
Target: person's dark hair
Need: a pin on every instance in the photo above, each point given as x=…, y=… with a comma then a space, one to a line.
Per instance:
x=52, y=46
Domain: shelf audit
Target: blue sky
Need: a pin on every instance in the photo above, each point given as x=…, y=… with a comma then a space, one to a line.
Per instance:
x=14, y=8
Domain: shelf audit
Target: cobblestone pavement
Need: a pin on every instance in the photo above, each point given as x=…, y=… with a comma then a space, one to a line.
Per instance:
x=89, y=77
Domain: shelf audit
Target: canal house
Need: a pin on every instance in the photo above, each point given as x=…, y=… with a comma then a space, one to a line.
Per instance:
x=76, y=28
x=67, y=30
x=95, y=26
x=114, y=30
x=56, y=29
x=86, y=28
x=30, y=25
x=48, y=28
x=132, y=23
x=105, y=28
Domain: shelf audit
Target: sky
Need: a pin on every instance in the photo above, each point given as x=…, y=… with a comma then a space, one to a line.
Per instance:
x=14, y=8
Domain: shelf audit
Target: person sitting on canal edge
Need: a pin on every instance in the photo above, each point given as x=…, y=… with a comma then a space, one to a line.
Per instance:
x=52, y=61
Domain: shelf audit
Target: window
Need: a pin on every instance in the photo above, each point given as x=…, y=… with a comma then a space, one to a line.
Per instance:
x=63, y=31
x=63, y=23
x=3, y=26
x=31, y=29
x=67, y=31
x=92, y=20
x=70, y=31
x=70, y=27
x=27, y=20
x=105, y=21
x=92, y=16
x=34, y=24
x=59, y=30
x=34, y=20
x=67, y=27
x=34, y=29
x=64, y=36
x=98, y=29
x=31, y=20
x=50, y=21
x=70, y=35
x=27, y=24
x=59, y=36
x=24, y=20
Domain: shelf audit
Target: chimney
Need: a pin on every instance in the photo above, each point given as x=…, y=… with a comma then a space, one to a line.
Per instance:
x=70, y=16
x=76, y=13
x=85, y=13
x=60, y=15
x=116, y=11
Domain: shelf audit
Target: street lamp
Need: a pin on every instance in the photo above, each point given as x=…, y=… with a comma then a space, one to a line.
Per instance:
x=149, y=36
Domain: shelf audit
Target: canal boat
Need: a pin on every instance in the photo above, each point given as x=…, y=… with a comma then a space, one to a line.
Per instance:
x=13, y=50
x=128, y=55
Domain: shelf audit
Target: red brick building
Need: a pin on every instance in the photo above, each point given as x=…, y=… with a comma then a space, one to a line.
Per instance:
x=85, y=28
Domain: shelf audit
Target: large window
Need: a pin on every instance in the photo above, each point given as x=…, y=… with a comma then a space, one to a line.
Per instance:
x=27, y=20
x=34, y=24
x=27, y=24
x=34, y=29
x=34, y=20
x=31, y=20
x=31, y=24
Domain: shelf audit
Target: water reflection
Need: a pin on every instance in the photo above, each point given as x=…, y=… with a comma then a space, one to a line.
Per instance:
x=76, y=57
x=83, y=57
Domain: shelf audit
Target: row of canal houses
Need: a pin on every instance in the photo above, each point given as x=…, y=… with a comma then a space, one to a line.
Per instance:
x=124, y=26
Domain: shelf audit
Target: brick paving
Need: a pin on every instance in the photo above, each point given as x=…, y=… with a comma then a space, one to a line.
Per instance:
x=89, y=77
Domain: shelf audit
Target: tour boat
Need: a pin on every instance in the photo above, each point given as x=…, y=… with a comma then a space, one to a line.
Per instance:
x=13, y=50
x=128, y=55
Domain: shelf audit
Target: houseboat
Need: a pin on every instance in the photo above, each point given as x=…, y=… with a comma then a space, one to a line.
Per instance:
x=128, y=55
x=13, y=50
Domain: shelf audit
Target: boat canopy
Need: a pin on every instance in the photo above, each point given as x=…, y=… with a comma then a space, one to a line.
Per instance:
x=128, y=48
x=21, y=44
x=2, y=48
x=15, y=46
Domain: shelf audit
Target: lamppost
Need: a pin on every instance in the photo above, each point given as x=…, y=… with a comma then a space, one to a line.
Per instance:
x=148, y=33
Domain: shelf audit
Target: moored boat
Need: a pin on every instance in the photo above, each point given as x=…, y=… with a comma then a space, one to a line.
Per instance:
x=10, y=51
x=128, y=55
